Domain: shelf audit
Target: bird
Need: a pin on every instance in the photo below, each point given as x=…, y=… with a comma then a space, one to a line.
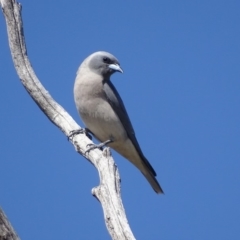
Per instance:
x=104, y=114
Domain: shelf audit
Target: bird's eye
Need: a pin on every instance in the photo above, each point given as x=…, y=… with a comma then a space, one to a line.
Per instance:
x=106, y=60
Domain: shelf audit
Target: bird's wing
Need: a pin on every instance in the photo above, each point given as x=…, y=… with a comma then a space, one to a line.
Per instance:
x=116, y=102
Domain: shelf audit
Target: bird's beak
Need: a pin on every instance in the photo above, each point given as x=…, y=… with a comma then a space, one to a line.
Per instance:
x=115, y=67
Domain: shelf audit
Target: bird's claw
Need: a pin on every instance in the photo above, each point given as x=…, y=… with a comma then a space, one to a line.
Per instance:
x=79, y=131
x=99, y=146
x=92, y=146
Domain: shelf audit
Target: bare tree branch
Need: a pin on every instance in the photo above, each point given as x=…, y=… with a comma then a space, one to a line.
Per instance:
x=108, y=192
x=6, y=230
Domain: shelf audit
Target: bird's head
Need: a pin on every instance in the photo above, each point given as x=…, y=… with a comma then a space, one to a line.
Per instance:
x=104, y=63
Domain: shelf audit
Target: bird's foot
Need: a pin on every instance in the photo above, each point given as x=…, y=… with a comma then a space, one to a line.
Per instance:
x=99, y=146
x=80, y=131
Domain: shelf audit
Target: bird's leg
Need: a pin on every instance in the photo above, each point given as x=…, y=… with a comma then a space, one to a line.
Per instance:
x=99, y=146
x=80, y=131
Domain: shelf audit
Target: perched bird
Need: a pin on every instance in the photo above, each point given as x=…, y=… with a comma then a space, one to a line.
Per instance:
x=103, y=112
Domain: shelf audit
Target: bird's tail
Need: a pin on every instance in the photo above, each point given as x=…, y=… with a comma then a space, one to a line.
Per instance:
x=153, y=181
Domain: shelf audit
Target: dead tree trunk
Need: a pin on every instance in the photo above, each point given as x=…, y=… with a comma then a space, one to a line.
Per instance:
x=6, y=230
x=108, y=192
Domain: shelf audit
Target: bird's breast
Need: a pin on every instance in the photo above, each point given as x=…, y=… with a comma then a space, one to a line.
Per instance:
x=102, y=121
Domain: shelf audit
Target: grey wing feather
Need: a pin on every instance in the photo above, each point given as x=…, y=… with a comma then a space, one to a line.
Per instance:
x=116, y=102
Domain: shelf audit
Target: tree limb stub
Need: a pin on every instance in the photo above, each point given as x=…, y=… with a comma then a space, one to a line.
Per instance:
x=6, y=230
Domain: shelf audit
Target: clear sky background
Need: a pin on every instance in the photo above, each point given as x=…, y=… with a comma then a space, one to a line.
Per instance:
x=181, y=85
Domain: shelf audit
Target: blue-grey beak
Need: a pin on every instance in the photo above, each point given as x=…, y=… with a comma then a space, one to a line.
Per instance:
x=115, y=67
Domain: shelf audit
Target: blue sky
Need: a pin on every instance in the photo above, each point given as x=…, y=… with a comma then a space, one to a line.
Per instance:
x=181, y=87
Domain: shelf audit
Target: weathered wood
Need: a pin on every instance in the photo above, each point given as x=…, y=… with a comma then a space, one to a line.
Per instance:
x=108, y=192
x=6, y=230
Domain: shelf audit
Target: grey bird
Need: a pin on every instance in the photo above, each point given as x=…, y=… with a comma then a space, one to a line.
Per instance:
x=104, y=114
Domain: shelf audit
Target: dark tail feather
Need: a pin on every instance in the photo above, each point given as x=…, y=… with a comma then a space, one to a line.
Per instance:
x=149, y=173
x=153, y=182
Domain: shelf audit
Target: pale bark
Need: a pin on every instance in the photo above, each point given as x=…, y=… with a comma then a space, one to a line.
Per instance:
x=108, y=192
x=6, y=230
